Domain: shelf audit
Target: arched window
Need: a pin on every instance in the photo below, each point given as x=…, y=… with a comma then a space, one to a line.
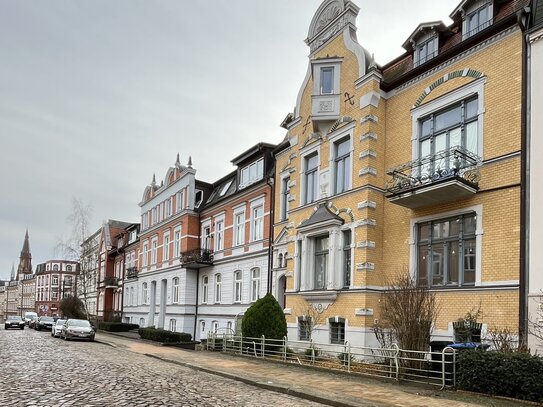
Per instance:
x=173, y=324
x=144, y=294
x=285, y=259
x=205, y=290
x=238, y=285
x=175, y=291
x=203, y=325
x=142, y=322
x=218, y=284
x=255, y=284
x=55, y=267
x=280, y=260
x=69, y=267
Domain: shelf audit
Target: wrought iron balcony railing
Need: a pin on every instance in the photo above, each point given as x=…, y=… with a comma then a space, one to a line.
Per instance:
x=132, y=272
x=110, y=282
x=197, y=258
x=457, y=170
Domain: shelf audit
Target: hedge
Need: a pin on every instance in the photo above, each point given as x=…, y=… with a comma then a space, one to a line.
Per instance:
x=161, y=335
x=116, y=326
x=518, y=375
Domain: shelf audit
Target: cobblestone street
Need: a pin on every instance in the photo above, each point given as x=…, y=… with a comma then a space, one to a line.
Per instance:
x=39, y=370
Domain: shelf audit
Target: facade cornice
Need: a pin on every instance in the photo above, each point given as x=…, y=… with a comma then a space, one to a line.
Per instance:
x=535, y=36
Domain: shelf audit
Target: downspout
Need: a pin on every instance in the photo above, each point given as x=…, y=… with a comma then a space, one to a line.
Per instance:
x=523, y=277
x=271, y=182
x=196, y=307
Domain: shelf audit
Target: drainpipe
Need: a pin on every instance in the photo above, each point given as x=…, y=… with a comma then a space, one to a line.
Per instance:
x=271, y=181
x=196, y=308
x=524, y=230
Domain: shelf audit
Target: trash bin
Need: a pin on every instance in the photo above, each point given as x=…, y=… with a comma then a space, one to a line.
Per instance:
x=435, y=347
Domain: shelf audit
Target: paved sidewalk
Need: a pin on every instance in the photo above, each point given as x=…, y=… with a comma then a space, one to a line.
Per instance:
x=334, y=389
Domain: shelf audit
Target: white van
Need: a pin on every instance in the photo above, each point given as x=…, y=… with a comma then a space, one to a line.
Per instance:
x=30, y=316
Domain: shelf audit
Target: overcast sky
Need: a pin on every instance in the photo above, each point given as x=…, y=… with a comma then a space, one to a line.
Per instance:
x=96, y=96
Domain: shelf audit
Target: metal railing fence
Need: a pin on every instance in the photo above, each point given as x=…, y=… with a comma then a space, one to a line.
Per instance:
x=434, y=368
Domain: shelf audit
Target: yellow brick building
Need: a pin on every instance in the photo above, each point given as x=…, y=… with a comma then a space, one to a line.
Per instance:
x=410, y=167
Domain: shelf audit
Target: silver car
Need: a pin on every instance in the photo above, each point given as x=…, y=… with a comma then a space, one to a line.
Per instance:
x=55, y=330
x=77, y=329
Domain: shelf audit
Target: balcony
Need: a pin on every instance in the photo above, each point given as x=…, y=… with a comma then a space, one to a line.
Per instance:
x=196, y=259
x=110, y=282
x=449, y=175
x=132, y=272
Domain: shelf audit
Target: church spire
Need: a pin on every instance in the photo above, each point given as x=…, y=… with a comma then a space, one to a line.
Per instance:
x=25, y=261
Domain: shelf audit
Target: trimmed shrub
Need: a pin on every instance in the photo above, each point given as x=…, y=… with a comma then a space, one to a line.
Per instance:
x=264, y=317
x=116, y=326
x=518, y=375
x=161, y=335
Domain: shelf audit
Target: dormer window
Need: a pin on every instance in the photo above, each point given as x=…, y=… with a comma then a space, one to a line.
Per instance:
x=252, y=173
x=425, y=51
x=477, y=18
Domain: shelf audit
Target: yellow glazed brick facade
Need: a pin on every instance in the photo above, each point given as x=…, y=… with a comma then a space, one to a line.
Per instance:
x=384, y=233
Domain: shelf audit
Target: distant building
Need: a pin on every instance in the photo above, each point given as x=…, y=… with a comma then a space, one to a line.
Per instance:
x=55, y=280
x=203, y=254
x=20, y=290
x=111, y=269
x=88, y=274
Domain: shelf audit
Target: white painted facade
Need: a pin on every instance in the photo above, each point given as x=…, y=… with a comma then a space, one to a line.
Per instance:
x=535, y=195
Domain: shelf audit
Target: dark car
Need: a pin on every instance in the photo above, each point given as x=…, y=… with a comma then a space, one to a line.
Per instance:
x=44, y=323
x=77, y=329
x=14, y=322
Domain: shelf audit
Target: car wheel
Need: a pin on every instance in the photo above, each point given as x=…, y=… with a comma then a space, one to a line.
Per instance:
x=22, y=327
x=6, y=328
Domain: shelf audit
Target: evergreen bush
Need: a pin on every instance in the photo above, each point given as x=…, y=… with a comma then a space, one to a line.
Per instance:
x=264, y=317
x=161, y=335
x=518, y=375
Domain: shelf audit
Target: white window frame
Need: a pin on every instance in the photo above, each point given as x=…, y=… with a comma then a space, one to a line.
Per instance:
x=474, y=88
x=423, y=42
x=166, y=247
x=177, y=242
x=145, y=293
x=413, y=257
x=245, y=173
x=205, y=289
x=476, y=8
x=154, y=251
x=219, y=234
x=172, y=325
x=255, y=283
x=218, y=288
x=145, y=254
x=257, y=222
x=175, y=290
x=239, y=227
x=238, y=286
x=318, y=67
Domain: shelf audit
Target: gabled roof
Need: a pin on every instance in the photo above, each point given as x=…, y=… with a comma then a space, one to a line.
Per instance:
x=321, y=215
x=422, y=29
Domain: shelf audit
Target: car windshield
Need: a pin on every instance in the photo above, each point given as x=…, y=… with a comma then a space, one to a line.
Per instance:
x=79, y=322
x=46, y=319
x=60, y=321
x=12, y=318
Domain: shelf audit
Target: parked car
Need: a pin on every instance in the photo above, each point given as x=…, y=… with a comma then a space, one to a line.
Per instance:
x=44, y=323
x=77, y=329
x=55, y=331
x=29, y=316
x=14, y=322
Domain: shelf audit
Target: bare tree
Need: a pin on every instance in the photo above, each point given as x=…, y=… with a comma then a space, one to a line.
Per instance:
x=311, y=317
x=408, y=311
x=74, y=248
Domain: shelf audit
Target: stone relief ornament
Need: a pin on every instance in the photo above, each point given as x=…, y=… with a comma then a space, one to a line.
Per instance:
x=331, y=12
